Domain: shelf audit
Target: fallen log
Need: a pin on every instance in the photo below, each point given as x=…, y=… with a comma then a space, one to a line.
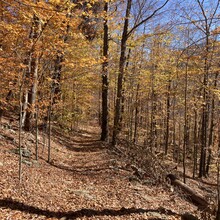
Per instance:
x=191, y=194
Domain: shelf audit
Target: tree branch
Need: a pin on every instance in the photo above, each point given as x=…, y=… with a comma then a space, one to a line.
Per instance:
x=146, y=19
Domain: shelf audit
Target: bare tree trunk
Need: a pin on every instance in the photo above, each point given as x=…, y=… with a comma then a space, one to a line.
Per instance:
x=20, y=128
x=168, y=117
x=152, y=137
x=174, y=129
x=185, y=139
x=25, y=105
x=117, y=114
x=49, y=115
x=208, y=21
x=36, y=137
x=204, y=129
x=130, y=117
x=104, y=134
x=123, y=91
x=136, y=114
x=58, y=65
x=56, y=87
x=28, y=123
x=49, y=132
x=32, y=76
x=211, y=128
x=218, y=174
x=179, y=143
x=195, y=151
x=146, y=121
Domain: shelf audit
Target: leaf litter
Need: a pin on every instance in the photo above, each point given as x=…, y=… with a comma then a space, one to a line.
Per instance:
x=83, y=181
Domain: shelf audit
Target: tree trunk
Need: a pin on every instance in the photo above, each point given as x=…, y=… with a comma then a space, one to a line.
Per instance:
x=32, y=76
x=31, y=97
x=205, y=115
x=185, y=139
x=218, y=176
x=49, y=132
x=136, y=114
x=130, y=116
x=36, y=137
x=152, y=135
x=211, y=128
x=168, y=117
x=195, y=150
x=123, y=91
x=204, y=129
x=174, y=129
x=20, y=130
x=117, y=114
x=104, y=125
x=56, y=87
x=56, y=75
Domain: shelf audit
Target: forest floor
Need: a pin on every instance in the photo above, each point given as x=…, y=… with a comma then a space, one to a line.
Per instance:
x=84, y=180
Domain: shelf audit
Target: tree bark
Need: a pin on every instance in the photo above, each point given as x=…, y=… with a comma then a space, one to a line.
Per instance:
x=20, y=130
x=104, y=126
x=36, y=137
x=185, y=139
x=211, y=128
x=32, y=76
x=153, y=123
x=136, y=115
x=168, y=117
x=218, y=176
x=204, y=125
x=123, y=91
x=28, y=123
x=117, y=115
x=49, y=132
x=195, y=147
x=208, y=21
x=56, y=87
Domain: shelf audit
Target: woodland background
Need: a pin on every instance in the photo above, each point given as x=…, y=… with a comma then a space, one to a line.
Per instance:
x=145, y=72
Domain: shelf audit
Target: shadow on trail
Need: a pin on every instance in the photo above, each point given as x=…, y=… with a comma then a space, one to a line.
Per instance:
x=87, y=154
x=82, y=169
x=87, y=147
x=19, y=206
x=85, y=144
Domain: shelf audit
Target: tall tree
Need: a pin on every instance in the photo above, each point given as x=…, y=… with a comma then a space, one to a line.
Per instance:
x=104, y=134
x=121, y=73
x=125, y=36
x=32, y=74
x=206, y=29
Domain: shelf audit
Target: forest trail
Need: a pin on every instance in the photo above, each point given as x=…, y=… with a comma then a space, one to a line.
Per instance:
x=83, y=181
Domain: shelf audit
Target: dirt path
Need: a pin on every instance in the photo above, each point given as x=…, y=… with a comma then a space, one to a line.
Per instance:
x=83, y=181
